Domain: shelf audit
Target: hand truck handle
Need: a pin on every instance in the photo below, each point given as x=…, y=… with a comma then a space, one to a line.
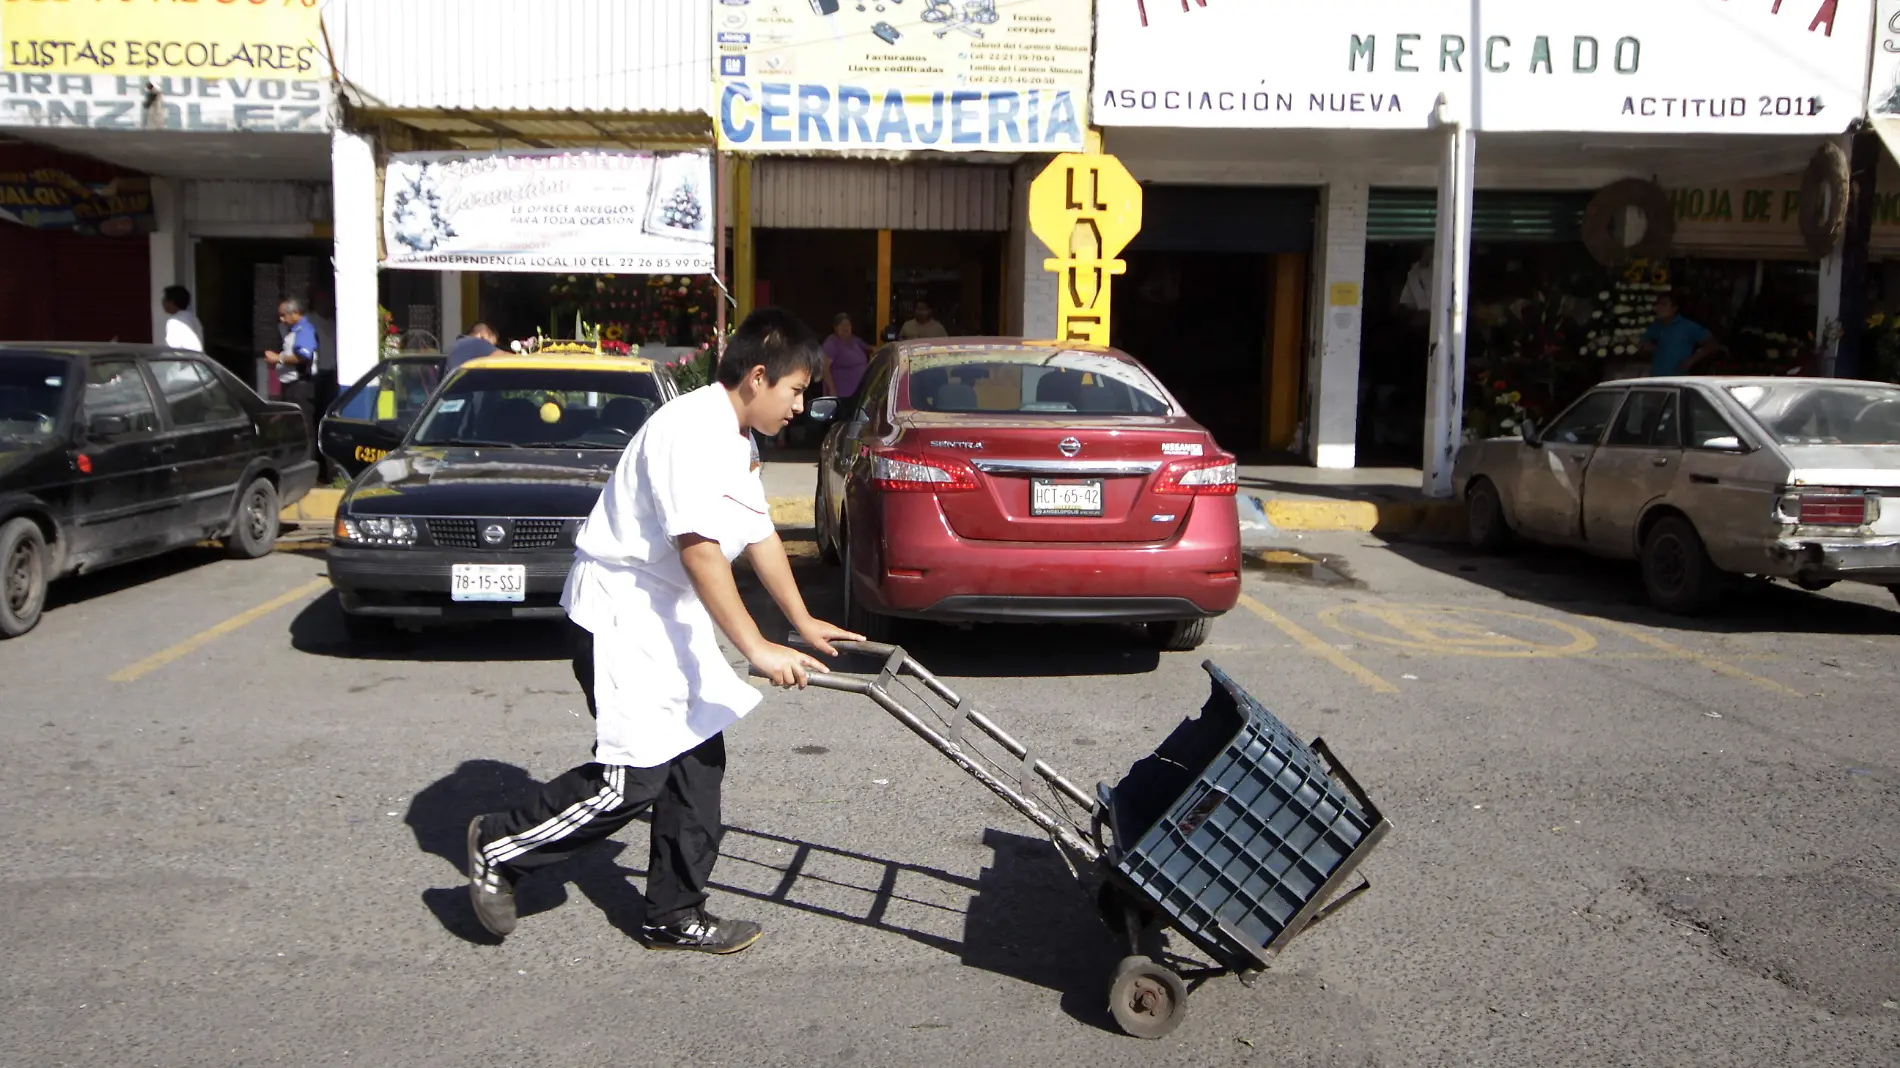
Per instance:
x=824, y=681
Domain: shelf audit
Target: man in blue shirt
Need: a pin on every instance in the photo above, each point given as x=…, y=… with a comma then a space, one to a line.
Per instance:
x=1675, y=344
x=296, y=362
x=478, y=342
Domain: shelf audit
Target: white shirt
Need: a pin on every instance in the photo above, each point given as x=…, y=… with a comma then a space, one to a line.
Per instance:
x=184, y=331
x=661, y=683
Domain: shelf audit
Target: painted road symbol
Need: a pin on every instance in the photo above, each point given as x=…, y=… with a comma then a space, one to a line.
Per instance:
x=1457, y=631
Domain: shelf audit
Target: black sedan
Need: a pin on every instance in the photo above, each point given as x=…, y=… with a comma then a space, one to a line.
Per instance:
x=469, y=508
x=111, y=453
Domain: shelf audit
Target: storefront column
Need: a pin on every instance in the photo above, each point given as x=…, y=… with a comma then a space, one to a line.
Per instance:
x=357, y=219
x=1445, y=374
x=1029, y=308
x=745, y=267
x=450, y=302
x=1333, y=373
x=883, y=282
x=169, y=249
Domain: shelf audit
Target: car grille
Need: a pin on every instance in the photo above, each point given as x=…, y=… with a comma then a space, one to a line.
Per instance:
x=537, y=533
x=453, y=533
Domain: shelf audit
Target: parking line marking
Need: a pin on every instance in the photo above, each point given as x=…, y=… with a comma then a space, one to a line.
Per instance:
x=1311, y=643
x=1717, y=666
x=132, y=672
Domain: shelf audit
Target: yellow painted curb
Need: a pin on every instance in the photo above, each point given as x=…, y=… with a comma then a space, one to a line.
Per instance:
x=317, y=506
x=1365, y=517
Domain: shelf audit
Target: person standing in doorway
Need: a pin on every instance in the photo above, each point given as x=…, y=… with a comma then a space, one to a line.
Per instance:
x=296, y=361
x=922, y=323
x=1673, y=343
x=845, y=358
x=478, y=342
x=182, y=328
x=651, y=589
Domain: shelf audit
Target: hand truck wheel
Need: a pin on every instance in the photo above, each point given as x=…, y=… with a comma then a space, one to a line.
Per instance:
x=1147, y=999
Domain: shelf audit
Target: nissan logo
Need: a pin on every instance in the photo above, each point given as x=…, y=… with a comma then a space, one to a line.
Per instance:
x=492, y=534
x=1069, y=446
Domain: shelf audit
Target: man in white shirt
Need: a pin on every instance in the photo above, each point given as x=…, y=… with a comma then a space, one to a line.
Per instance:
x=182, y=328
x=651, y=588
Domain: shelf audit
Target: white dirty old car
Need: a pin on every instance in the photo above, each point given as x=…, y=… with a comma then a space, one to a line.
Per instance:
x=1703, y=478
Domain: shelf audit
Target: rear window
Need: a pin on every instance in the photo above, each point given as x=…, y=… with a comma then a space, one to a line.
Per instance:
x=1002, y=382
x=1813, y=413
x=32, y=391
x=540, y=408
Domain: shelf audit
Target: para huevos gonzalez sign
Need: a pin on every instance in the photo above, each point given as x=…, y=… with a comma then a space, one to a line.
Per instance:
x=1628, y=66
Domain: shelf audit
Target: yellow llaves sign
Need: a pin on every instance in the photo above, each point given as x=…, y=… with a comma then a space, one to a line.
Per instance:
x=1086, y=208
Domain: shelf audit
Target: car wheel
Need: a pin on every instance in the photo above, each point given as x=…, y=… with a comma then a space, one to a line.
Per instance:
x=1677, y=572
x=1485, y=525
x=254, y=531
x=827, y=548
x=1180, y=635
x=874, y=627
x=23, y=576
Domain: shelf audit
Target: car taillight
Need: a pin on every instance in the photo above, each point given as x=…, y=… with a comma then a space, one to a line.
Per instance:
x=904, y=472
x=1822, y=506
x=1218, y=477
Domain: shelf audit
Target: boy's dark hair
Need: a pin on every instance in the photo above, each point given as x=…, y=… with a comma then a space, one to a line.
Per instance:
x=178, y=295
x=775, y=339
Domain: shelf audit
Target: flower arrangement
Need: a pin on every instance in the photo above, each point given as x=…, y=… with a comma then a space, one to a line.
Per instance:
x=640, y=309
x=693, y=370
x=1880, y=348
x=1616, y=329
x=391, y=344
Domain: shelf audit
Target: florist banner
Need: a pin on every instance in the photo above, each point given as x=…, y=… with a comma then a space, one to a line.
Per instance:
x=947, y=75
x=1625, y=66
x=549, y=211
x=143, y=38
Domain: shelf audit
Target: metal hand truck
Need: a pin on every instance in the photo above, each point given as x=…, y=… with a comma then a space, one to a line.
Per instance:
x=1233, y=833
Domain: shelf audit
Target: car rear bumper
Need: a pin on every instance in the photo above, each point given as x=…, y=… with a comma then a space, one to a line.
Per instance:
x=924, y=571
x=1860, y=559
x=413, y=584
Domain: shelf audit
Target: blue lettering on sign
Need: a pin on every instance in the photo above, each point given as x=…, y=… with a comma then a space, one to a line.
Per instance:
x=772, y=106
x=815, y=114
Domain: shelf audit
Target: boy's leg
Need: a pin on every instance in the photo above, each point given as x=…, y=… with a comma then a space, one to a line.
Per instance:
x=571, y=812
x=684, y=847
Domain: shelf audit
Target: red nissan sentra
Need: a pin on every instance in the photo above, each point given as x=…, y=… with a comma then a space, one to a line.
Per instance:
x=993, y=479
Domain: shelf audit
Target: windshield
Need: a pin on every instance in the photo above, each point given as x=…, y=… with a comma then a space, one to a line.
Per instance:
x=32, y=389
x=540, y=408
x=1813, y=413
x=1013, y=382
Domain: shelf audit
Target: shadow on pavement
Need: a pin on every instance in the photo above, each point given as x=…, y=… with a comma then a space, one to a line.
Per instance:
x=111, y=580
x=1585, y=585
x=319, y=630
x=1026, y=917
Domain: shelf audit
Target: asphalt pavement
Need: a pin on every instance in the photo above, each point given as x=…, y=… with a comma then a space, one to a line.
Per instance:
x=1619, y=838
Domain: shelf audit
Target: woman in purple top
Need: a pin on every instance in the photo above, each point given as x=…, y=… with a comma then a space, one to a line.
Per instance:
x=845, y=358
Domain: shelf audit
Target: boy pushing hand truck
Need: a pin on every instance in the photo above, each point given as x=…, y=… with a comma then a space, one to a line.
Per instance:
x=651, y=589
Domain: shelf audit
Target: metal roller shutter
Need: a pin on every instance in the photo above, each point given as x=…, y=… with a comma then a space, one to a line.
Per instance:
x=1497, y=215
x=846, y=195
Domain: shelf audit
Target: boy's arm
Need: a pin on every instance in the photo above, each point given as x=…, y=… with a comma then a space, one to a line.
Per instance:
x=712, y=579
x=775, y=571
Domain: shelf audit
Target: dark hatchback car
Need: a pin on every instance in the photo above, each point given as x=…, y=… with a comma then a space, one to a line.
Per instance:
x=111, y=453
x=467, y=498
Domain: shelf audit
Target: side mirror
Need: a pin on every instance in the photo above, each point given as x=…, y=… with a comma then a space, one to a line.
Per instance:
x=823, y=410
x=1727, y=443
x=108, y=426
x=1528, y=430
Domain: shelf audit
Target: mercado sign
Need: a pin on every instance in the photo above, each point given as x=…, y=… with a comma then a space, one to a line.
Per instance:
x=98, y=102
x=945, y=75
x=50, y=199
x=143, y=38
x=1629, y=66
x=633, y=212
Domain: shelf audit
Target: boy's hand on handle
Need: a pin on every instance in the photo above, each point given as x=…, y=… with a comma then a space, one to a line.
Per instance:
x=819, y=635
x=786, y=667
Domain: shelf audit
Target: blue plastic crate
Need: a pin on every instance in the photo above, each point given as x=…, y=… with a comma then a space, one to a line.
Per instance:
x=1237, y=830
